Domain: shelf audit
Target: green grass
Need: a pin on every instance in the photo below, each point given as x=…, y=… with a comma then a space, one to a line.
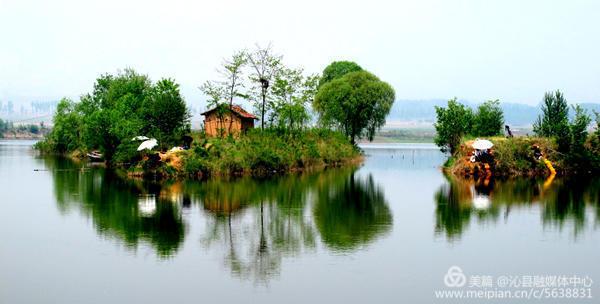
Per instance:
x=267, y=152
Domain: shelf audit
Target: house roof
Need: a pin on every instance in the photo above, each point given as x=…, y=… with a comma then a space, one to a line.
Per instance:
x=236, y=109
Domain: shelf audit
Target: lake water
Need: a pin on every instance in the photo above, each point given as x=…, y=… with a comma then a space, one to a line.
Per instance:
x=385, y=232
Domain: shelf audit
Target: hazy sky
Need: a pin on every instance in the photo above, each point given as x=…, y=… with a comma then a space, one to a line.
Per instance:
x=511, y=50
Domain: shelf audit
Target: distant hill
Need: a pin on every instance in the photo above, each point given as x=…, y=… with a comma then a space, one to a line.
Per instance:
x=516, y=114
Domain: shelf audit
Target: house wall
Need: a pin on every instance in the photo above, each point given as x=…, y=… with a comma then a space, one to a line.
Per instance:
x=213, y=125
x=247, y=123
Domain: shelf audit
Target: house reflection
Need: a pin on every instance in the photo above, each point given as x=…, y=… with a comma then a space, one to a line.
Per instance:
x=255, y=224
x=287, y=216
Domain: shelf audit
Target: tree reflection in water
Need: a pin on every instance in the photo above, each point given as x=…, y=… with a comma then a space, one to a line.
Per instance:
x=256, y=223
x=563, y=202
x=119, y=208
x=351, y=212
x=272, y=219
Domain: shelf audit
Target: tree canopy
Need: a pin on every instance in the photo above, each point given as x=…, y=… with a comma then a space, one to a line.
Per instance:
x=279, y=93
x=120, y=107
x=489, y=119
x=292, y=92
x=453, y=122
x=356, y=103
x=554, y=120
x=458, y=120
x=227, y=88
x=338, y=69
x=265, y=65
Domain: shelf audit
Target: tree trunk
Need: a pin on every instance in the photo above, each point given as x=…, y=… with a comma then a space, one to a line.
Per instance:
x=230, y=116
x=262, y=113
x=291, y=120
x=231, y=92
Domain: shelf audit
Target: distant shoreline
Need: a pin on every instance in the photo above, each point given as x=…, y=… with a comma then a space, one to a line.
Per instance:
x=21, y=136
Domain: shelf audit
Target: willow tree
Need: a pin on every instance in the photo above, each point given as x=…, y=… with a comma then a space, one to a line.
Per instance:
x=338, y=69
x=356, y=104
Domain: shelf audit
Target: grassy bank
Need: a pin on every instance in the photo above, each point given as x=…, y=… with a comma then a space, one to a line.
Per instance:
x=257, y=153
x=515, y=157
x=511, y=157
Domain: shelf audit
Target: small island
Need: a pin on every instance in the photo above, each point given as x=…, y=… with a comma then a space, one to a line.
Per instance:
x=303, y=122
x=563, y=143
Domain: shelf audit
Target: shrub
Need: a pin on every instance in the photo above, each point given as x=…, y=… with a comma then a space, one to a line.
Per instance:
x=488, y=120
x=453, y=122
x=261, y=152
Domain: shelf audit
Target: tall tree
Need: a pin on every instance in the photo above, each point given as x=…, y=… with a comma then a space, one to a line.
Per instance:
x=292, y=91
x=215, y=93
x=338, y=69
x=165, y=113
x=120, y=107
x=232, y=70
x=65, y=135
x=356, y=103
x=595, y=138
x=489, y=119
x=265, y=65
x=230, y=85
x=554, y=120
x=452, y=123
x=578, y=128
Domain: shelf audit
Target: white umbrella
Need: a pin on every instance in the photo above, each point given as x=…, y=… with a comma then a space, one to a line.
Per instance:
x=481, y=202
x=140, y=138
x=148, y=144
x=147, y=205
x=482, y=144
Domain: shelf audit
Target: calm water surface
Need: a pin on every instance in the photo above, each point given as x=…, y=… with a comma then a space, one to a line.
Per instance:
x=383, y=232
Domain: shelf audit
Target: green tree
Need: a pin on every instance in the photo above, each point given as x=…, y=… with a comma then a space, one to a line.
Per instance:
x=265, y=65
x=350, y=212
x=165, y=113
x=578, y=129
x=597, y=115
x=120, y=107
x=338, y=69
x=356, y=103
x=452, y=124
x=34, y=129
x=595, y=140
x=112, y=114
x=3, y=126
x=292, y=91
x=229, y=86
x=65, y=135
x=554, y=120
x=216, y=93
x=489, y=119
